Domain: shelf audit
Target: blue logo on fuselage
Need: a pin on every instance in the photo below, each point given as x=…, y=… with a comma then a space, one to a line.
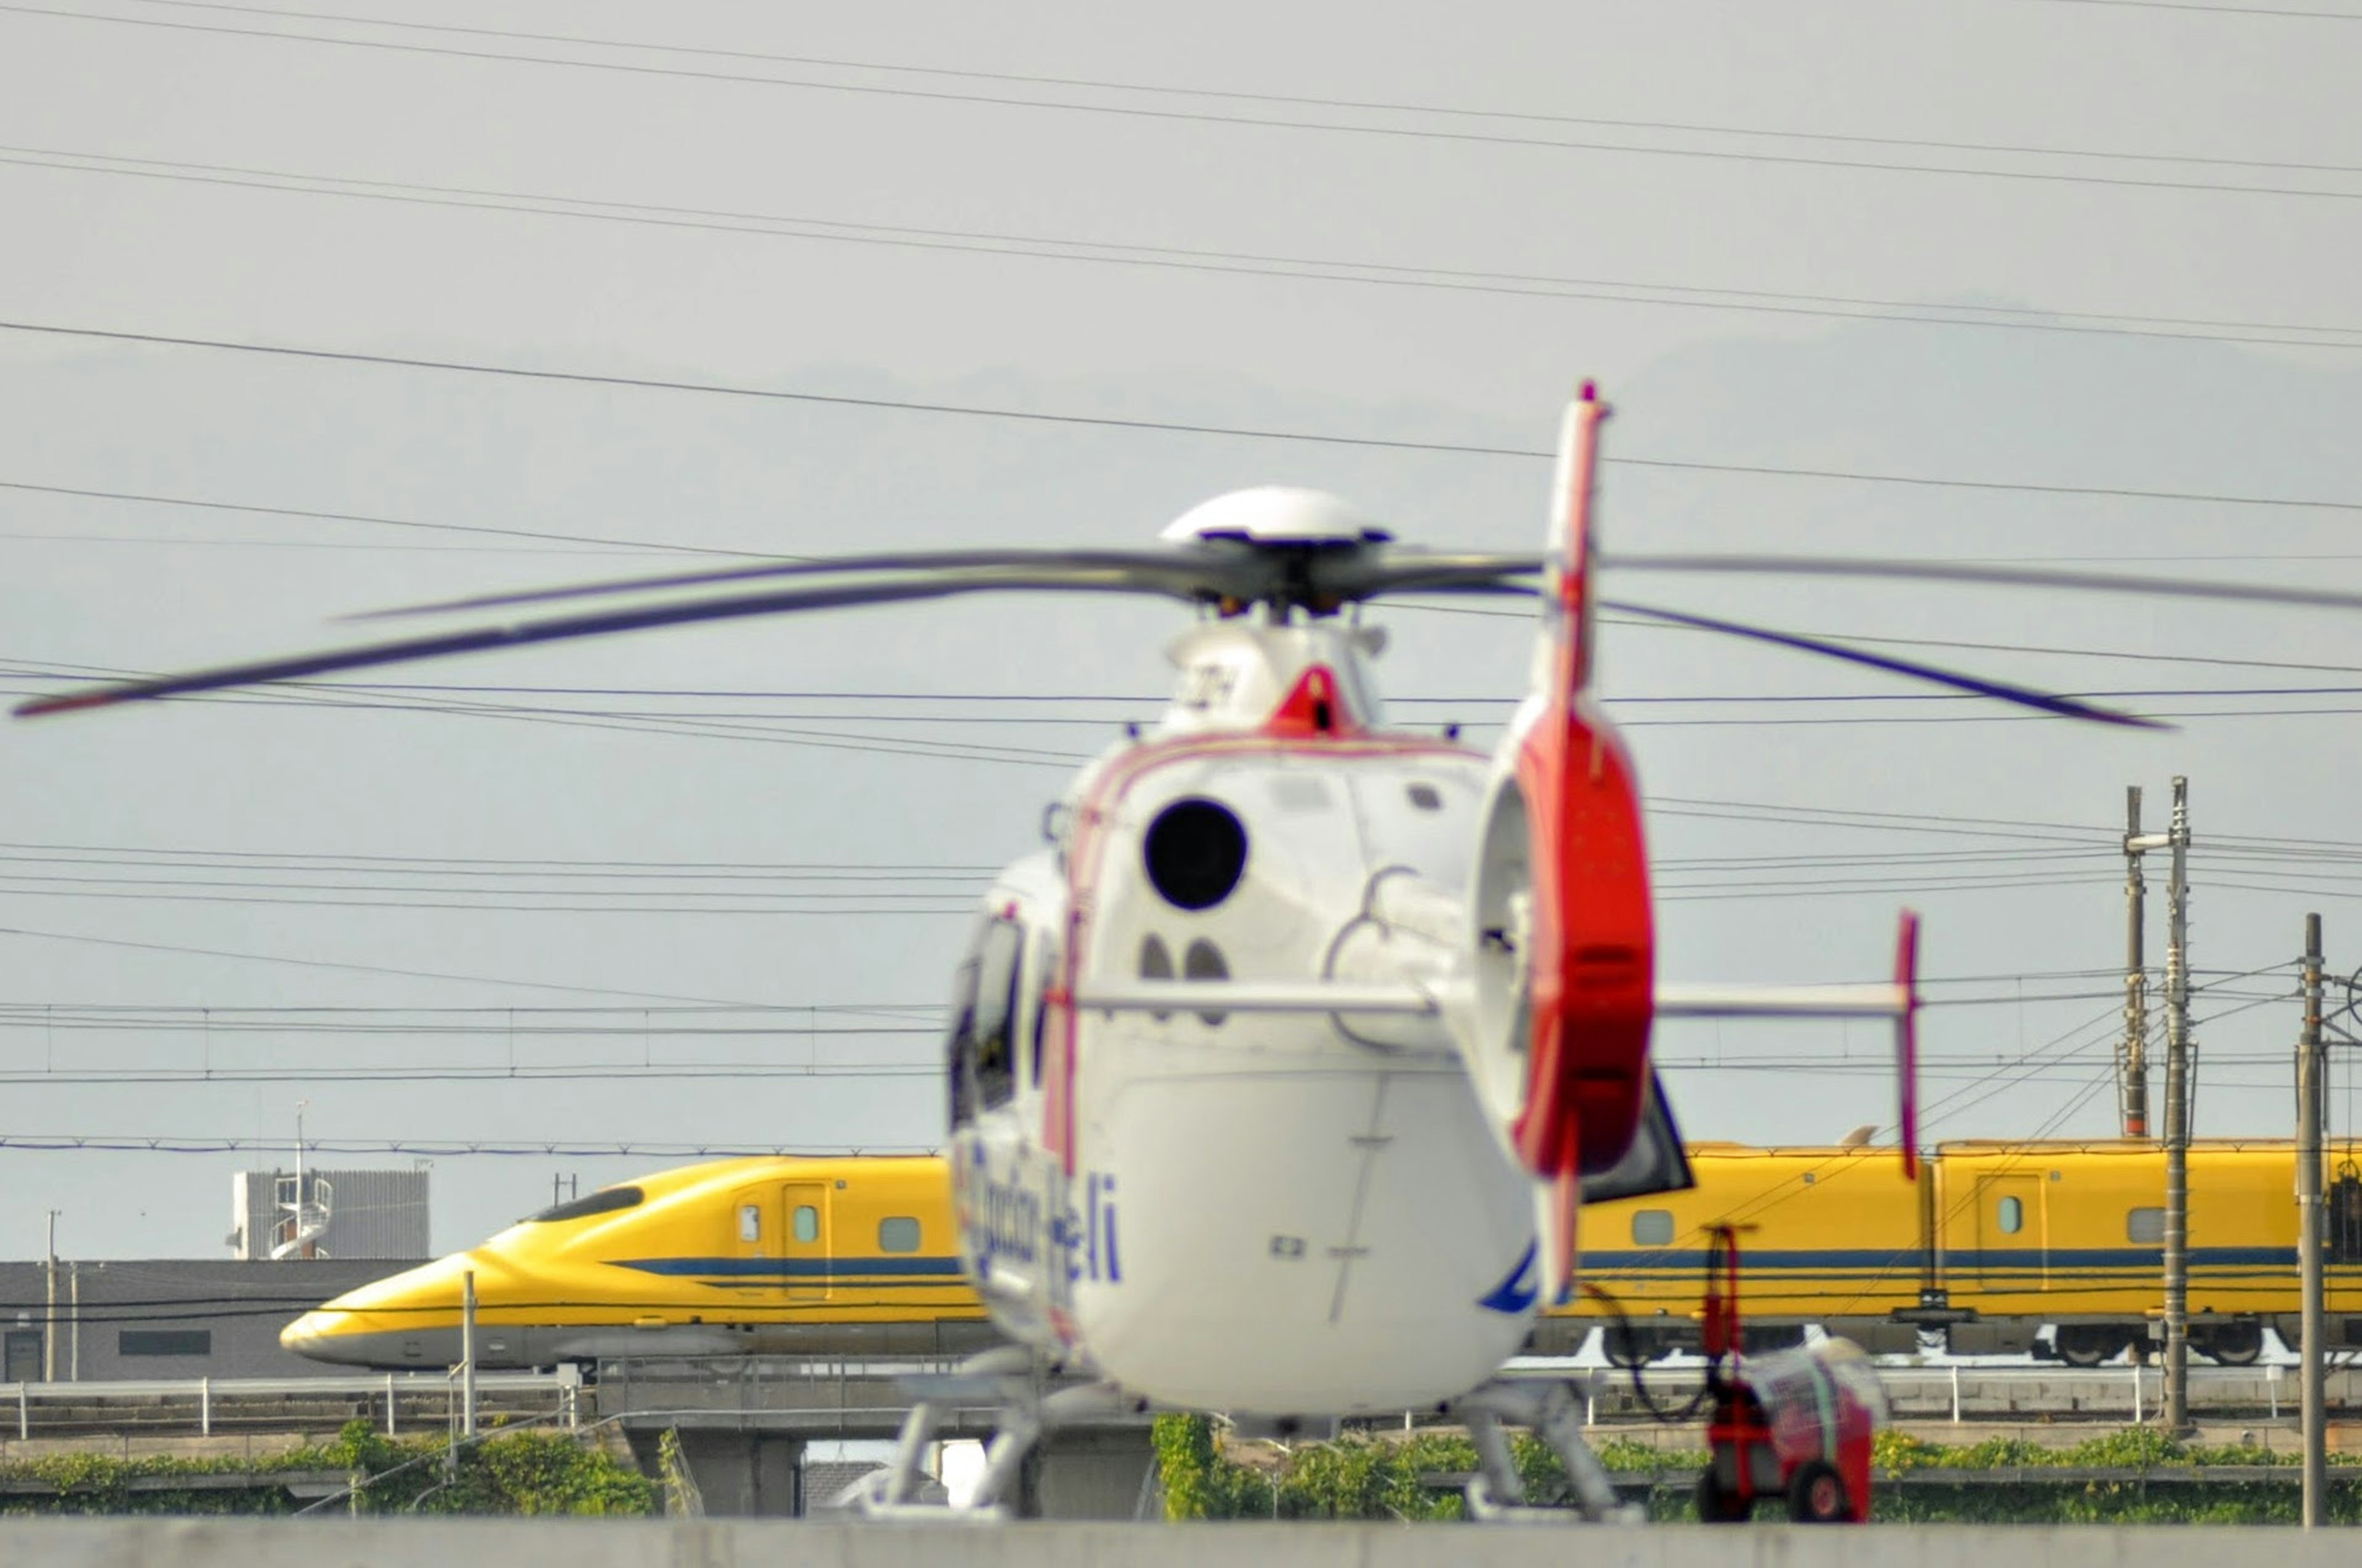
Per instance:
x=1516, y=1294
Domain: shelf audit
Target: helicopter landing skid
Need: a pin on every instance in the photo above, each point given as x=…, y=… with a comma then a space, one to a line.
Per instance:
x=1495, y=1494
x=1010, y=1380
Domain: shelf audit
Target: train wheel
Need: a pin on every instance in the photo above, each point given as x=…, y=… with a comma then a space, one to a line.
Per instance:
x=1627, y=1349
x=2231, y=1344
x=1816, y=1494
x=2082, y=1345
x=1716, y=1506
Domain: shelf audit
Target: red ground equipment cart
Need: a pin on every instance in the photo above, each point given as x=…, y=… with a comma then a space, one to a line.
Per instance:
x=1793, y=1425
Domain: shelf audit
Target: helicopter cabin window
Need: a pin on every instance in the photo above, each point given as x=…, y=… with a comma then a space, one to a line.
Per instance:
x=1652, y=1227
x=983, y=1065
x=807, y=1222
x=2145, y=1225
x=898, y=1234
x=2012, y=1216
x=1045, y=973
x=750, y=1221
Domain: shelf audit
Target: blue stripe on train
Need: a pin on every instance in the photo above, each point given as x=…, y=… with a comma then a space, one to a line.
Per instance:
x=796, y=1268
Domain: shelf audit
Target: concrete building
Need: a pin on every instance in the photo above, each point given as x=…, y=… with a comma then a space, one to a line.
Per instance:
x=144, y=1321
x=312, y=1214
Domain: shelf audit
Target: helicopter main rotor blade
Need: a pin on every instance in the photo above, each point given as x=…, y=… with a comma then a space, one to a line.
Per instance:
x=1999, y=576
x=1184, y=573
x=2023, y=697
x=593, y=623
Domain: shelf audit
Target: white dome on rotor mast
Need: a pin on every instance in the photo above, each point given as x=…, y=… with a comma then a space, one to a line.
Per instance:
x=1276, y=514
x=1236, y=675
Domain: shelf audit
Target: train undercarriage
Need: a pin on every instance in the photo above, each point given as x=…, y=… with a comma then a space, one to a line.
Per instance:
x=2224, y=1341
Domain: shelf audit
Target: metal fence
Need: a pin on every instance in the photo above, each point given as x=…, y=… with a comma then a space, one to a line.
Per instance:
x=1956, y=1393
x=429, y=1397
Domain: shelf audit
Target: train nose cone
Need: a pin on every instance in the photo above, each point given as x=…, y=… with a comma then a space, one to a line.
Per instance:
x=309, y=1336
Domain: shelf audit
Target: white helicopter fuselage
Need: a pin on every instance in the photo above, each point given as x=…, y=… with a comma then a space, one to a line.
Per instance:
x=1262, y=1211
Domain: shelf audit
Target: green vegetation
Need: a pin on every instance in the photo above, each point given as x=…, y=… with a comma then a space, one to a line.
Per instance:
x=1359, y=1476
x=2032, y=1500
x=515, y=1473
x=1362, y=1475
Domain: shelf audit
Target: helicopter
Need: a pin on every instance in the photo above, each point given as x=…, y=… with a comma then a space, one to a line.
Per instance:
x=1278, y=1076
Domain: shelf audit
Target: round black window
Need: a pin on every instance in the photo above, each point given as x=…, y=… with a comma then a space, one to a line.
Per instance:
x=1196, y=852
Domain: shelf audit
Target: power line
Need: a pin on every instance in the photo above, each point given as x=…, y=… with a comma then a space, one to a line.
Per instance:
x=1101, y=84
x=439, y=1149
x=1198, y=116
x=2269, y=11
x=84, y=939
x=1186, y=258
x=1167, y=427
x=309, y=514
x=770, y=394
x=523, y=1072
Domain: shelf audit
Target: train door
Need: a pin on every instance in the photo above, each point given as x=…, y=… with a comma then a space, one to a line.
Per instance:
x=2012, y=1239
x=804, y=1245
x=761, y=1224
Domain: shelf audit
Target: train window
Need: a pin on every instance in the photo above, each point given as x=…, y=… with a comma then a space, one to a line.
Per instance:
x=898, y=1234
x=2013, y=1216
x=750, y=1221
x=983, y=1051
x=2145, y=1225
x=807, y=1222
x=2345, y=1216
x=1652, y=1227
x=606, y=1200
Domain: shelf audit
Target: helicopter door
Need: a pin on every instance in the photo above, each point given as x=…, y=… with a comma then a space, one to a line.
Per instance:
x=2012, y=1240
x=982, y=1047
x=803, y=1246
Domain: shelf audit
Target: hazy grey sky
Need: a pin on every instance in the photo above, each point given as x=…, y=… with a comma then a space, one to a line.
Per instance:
x=823, y=200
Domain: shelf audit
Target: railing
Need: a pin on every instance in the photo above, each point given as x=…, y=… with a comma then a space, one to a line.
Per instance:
x=419, y=1388
x=1959, y=1393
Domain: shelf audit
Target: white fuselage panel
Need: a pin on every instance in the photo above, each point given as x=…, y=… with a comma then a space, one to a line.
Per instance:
x=1275, y=1213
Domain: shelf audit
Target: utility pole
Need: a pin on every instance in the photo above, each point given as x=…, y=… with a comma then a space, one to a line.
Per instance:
x=302, y=1248
x=2131, y=1059
x=2177, y=1120
x=50, y=1311
x=2310, y=1070
x=468, y=1354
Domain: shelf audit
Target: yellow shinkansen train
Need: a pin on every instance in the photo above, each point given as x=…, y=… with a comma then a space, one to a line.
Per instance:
x=859, y=1255
x=737, y=1256
x=1995, y=1240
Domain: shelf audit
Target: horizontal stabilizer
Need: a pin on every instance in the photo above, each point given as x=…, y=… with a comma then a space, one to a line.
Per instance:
x=1256, y=996
x=1784, y=1001
x=1338, y=996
